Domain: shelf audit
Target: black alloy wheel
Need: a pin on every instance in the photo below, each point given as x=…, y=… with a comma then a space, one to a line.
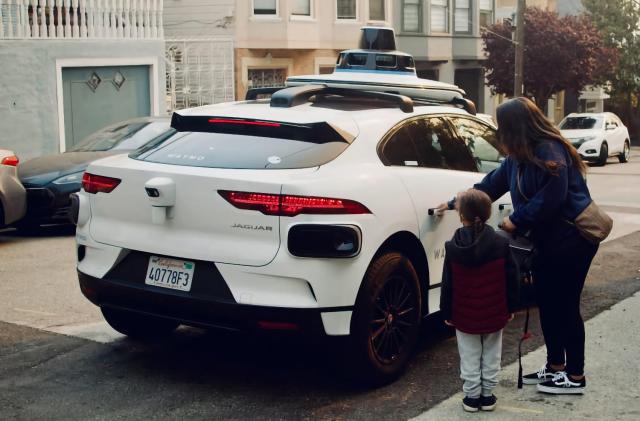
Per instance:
x=393, y=320
x=385, y=325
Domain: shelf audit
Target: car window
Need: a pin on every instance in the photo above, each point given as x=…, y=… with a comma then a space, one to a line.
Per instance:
x=438, y=148
x=109, y=137
x=242, y=144
x=581, y=123
x=400, y=150
x=143, y=136
x=482, y=142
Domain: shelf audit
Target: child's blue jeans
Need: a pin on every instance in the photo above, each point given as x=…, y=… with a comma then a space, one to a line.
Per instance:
x=480, y=357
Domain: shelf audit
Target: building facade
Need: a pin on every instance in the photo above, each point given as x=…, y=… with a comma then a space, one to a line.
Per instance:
x=69, y=68
x=278, y=38
x=199, y=52
x=444, y=38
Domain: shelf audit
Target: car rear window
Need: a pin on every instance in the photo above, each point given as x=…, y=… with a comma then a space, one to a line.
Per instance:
x=218, y=142
x=581, y=123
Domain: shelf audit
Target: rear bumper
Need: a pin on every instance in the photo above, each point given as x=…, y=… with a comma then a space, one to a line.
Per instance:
x=201, y=311
x=49, y=204
x=12, y=199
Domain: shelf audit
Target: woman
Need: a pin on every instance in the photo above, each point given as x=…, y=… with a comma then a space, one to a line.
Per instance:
x=546, y=179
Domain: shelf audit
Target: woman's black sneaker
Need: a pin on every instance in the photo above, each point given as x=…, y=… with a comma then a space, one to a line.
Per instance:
x=545, y=374
x=563, y=385
x=488, y=403
x=471, y=404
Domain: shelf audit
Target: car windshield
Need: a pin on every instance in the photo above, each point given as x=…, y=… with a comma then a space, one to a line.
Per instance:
x=124, y=136
x=581, y=123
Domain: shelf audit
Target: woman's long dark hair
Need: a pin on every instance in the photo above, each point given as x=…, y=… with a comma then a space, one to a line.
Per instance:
x=522, y=127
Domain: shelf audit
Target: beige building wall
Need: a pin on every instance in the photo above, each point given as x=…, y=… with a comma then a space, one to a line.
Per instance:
x=544, y=4
x=269, y=47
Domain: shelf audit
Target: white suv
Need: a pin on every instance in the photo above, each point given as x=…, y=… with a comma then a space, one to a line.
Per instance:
x=597, y=136
x=311, y=211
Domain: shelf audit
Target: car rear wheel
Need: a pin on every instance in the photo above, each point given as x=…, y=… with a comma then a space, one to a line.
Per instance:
x=386, y=321
x=626, y=153
x=138, y=326
x=604, y=155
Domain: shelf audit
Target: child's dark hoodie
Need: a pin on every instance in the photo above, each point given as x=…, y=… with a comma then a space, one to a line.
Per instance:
x=480, y=281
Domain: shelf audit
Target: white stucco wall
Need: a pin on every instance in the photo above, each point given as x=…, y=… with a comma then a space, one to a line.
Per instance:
x=198, y=18
x=28, y=86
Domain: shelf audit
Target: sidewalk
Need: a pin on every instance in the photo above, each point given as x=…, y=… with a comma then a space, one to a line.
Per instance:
x=613, y=378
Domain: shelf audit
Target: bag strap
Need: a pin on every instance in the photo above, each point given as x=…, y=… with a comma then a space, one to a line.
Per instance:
x=518, y=183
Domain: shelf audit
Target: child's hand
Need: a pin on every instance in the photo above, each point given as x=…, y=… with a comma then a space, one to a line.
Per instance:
x=511, y=317
x=507, y=225
x=448, y=323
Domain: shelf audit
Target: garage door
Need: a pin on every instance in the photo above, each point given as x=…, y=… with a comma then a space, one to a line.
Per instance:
x=95, y=97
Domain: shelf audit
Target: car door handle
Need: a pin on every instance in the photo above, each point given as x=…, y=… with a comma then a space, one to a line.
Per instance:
x=432, y=211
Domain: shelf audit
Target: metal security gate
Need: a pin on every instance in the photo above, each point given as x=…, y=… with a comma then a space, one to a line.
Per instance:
x=199, y=72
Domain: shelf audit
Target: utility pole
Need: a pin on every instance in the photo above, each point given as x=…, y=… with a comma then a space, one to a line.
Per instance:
x=519, y=60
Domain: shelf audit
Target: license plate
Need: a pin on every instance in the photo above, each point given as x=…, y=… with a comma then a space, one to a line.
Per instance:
x=170, y=273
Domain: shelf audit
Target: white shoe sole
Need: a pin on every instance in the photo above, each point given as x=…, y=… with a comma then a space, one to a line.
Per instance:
x=488, y=408
x=561, y=390
x=534, y=381
x=469, y=408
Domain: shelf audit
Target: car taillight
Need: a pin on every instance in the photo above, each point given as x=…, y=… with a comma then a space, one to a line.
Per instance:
x=93, y=184
x=289, y=205
x=11, y=161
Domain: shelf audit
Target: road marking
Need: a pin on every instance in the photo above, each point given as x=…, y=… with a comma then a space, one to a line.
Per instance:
x=41, y=313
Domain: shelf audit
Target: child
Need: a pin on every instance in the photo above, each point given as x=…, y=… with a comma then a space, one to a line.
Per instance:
x=479, y=291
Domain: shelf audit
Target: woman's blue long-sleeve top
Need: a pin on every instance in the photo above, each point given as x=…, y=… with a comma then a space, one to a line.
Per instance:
x=552, y=198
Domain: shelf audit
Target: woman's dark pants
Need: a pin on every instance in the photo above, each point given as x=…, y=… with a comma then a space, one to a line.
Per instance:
x=559, y=272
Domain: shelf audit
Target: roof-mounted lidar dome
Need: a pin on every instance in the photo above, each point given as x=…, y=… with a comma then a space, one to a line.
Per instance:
x=376, y=38
x=377, y=53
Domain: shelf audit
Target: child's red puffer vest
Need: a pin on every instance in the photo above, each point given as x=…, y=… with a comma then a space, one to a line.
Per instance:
x=480, y=281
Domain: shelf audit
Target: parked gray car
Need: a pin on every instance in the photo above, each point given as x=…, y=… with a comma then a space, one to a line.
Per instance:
x=13, y=203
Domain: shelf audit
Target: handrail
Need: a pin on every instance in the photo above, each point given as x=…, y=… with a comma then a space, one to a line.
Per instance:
x=81, y=19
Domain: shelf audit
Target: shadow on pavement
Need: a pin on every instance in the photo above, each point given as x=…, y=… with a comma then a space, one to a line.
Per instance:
x=62, y=230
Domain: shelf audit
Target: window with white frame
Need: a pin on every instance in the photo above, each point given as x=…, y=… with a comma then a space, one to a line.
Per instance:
x=346, y=9
x=302, y=8
x=376, y=10
x=412, y=15
x=439, y=15
x=265, y=7
x=462, y=16
x=486, y=13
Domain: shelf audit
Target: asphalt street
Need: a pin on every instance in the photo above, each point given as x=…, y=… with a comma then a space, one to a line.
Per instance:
x=59, y=360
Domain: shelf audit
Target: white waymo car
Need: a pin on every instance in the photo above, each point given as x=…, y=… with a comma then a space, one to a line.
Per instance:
x=310, y=211
x=597, y=136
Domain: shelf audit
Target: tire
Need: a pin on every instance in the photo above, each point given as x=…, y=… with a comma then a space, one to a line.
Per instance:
x=626, y=153
x=138, y=326
x=604, y=155
x=386, y=322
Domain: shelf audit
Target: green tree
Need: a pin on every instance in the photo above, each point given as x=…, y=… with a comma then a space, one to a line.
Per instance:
x=560, y=53
x=619, y=24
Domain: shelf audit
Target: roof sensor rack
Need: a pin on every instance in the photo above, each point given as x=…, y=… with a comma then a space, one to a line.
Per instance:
x=297, y=95
x=252, y=93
